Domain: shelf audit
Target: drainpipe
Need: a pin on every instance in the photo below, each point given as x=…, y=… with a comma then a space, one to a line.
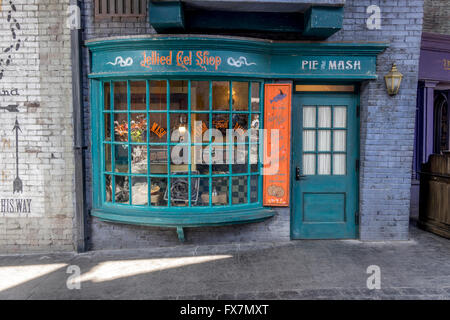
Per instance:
x=80, y=235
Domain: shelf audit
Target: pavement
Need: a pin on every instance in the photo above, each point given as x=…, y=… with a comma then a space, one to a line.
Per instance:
x=304, y=269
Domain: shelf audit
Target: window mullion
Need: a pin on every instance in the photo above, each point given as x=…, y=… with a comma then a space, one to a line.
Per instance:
x=210, y=144
x=169, y=195
x=230, y=146
x=113, y=146
x=130, y=181
x=189, y=145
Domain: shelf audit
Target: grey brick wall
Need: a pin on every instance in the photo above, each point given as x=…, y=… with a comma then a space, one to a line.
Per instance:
x=39, y=72
x=387, y=135
x=436, y=16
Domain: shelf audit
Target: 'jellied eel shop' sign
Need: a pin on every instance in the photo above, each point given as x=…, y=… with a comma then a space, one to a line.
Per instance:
x=232, y=63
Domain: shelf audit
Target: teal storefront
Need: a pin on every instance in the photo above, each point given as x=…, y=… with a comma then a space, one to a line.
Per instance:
x=156, y=96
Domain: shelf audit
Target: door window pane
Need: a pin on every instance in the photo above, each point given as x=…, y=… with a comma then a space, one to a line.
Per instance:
x=178, y=95
x=339, y=141
x=340, y=117
x=324, y=140
x=339, y=164
x=324, y=164
x=324, y=117
x=309, y=164
x=158, y=95
x=309, y=140
x=309, y=117
x=120, y=96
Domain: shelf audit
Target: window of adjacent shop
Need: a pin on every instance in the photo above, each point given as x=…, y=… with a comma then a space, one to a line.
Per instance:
x=108, y=9
x=181, y=143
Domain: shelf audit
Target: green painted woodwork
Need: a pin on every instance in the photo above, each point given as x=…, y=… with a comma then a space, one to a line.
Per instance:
x=322, y=22
x=166, y=16
x=265, y=61
x=324, y=206
x=184, y=56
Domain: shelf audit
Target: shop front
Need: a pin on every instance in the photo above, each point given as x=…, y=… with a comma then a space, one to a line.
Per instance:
x=197, y=131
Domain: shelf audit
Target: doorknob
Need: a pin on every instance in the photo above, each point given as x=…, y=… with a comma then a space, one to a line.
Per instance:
x=298, y=175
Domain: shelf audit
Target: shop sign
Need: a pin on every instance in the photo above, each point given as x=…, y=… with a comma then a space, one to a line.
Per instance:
x=277, y=116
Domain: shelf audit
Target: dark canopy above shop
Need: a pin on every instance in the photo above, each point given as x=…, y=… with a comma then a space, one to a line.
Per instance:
x=301, y=19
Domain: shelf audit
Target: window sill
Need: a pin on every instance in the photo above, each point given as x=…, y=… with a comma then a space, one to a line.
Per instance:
x=179, y=220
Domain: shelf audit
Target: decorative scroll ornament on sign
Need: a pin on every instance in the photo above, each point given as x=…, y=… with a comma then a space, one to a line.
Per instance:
x=121, y=62
x=239, y=62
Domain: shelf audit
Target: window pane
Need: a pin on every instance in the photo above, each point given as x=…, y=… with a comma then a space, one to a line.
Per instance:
x=340, y=117
x=108, y=188
x=158, y=127
x=200, y=95
x=221, y=95
x=138, y=95
x=158, y=95
x=120, y=95
x=324, y=164
x=158, y=159
x=309, y=140
x=157, y=191
x=139, y=191
x=309, y=117
x=255, y=96
x=240, y=160
x=240, y=127
x=324, y=140
x=239, y=187
x=309, y=164
x=108, y=162
x=178, y=95
x=107, y=126
x=220, y=124
x=324, y=117
x=138, y=127
x=219, y=193
x=203, y=199
x=179, y=191
x=179, y=127
x=220, y=159
x=139, y=162
x=339, y=141
x=107, y=96
x=254, y=191
x=179, y=159
x=122, y=189
x=120, y=127
x=121, y=158
x=199, y=127
x=240, y=96
x=200, y=159
x=339, y=164
x=254, y=157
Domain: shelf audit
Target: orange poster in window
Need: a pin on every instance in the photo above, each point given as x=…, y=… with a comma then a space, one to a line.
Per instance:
x=277, y=122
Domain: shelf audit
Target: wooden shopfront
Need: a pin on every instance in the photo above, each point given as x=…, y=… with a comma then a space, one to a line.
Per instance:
x=206, y=100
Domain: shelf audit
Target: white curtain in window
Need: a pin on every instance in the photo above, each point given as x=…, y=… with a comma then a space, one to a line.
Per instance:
x=309, y=164
x=309, y=140
x=340, y=117
x=339, y=141
x=324, y=140
x=324, y=164
x=324, y=117
x=309, y=117
x=339, y=161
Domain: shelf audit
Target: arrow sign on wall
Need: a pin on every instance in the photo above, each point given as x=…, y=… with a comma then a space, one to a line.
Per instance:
x=17, y=185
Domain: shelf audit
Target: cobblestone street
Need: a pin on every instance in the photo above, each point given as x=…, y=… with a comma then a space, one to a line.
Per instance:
x=414, y=269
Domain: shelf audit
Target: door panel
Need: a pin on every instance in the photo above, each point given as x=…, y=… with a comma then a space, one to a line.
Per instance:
x=325, y=150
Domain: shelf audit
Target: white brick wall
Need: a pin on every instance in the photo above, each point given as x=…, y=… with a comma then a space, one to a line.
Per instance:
x=41, y=71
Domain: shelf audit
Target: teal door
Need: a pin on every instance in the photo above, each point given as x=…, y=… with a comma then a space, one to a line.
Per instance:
x=325, y=164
